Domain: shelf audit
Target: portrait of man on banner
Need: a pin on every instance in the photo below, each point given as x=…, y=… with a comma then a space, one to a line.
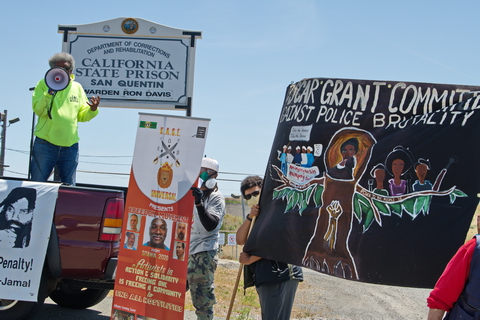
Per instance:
x=131, y=241
x=181, y=231
x=157, y=233
x=16, y=217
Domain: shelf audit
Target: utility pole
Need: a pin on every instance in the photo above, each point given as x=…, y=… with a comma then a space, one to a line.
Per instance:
x=3, y=118
x=4, y=133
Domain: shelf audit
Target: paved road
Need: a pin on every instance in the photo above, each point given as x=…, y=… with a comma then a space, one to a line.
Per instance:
x=101, y=311
x=51, y=311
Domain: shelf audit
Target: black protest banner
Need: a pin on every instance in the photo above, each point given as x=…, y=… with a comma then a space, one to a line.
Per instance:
x=373, y=181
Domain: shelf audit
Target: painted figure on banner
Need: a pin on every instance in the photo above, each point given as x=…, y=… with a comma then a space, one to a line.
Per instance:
x=328, y=249
x=289, y=156
x=304, y=156
x=310, y=157
x=283, y=159
x=422, y=167
x=297, y=157
x=398, y=163
x=344, y=169
x=378, y=173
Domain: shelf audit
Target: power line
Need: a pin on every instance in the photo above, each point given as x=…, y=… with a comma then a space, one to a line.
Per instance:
x=102, y=172
x=20, y=173
x=121, y=164
x=82, y=155
x=91, y=156
x=19, y=151
x=109, y=164
x=241, y=174
x=127, y=174
x=88, y=156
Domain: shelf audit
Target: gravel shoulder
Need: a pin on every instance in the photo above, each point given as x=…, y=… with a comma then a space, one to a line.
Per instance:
x=326, y=297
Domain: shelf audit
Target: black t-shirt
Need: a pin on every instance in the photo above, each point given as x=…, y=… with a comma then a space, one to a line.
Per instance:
x=270, y=271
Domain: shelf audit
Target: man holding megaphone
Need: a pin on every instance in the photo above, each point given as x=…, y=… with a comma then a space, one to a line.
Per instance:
x=59, y=103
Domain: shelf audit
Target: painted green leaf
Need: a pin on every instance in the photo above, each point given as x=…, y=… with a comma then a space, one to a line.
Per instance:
x=382, y=207
x=409, y=205
x=357, y=210
x=317, y=197
x=368, y=220
x=422, y=204
x=396, y=208
x=290, y=202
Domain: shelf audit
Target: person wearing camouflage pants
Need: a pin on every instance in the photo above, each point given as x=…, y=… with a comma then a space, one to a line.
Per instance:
x=207, y=220
x=201, y=270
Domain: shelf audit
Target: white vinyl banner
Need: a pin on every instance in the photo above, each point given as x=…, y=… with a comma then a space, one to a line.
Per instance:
x=162, y=164
x=152, y=263
x=26, y=215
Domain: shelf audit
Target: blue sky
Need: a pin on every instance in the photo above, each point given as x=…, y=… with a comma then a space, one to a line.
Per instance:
x=249, y=53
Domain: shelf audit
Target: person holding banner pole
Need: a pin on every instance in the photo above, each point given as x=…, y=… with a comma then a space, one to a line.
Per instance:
x=456, y=291
x=276, y=282
x=207, y=219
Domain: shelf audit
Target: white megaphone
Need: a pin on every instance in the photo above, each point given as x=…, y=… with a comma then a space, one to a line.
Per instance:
x=57, y=79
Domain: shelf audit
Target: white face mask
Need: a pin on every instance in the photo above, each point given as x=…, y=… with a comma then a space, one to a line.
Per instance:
x=252, y=201
x=210, y=183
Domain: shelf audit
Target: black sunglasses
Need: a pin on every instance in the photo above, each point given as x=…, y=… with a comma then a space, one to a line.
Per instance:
x=253, y=194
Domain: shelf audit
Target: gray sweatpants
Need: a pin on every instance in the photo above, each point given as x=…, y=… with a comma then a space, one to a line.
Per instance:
x=276, y=300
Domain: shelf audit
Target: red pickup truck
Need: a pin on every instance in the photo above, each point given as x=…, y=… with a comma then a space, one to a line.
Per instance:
x=82, y=253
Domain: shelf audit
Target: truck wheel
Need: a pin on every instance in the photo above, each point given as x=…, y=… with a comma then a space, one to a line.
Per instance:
x=76, y=297
x=21, y=310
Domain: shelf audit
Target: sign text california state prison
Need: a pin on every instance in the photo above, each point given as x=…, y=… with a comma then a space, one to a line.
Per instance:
x=149, y=74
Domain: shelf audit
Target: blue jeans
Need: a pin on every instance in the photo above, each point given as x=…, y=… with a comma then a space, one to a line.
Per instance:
x=46, y=156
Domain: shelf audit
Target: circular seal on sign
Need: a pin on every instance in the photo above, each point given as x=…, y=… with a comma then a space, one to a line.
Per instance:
x=129, y=26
